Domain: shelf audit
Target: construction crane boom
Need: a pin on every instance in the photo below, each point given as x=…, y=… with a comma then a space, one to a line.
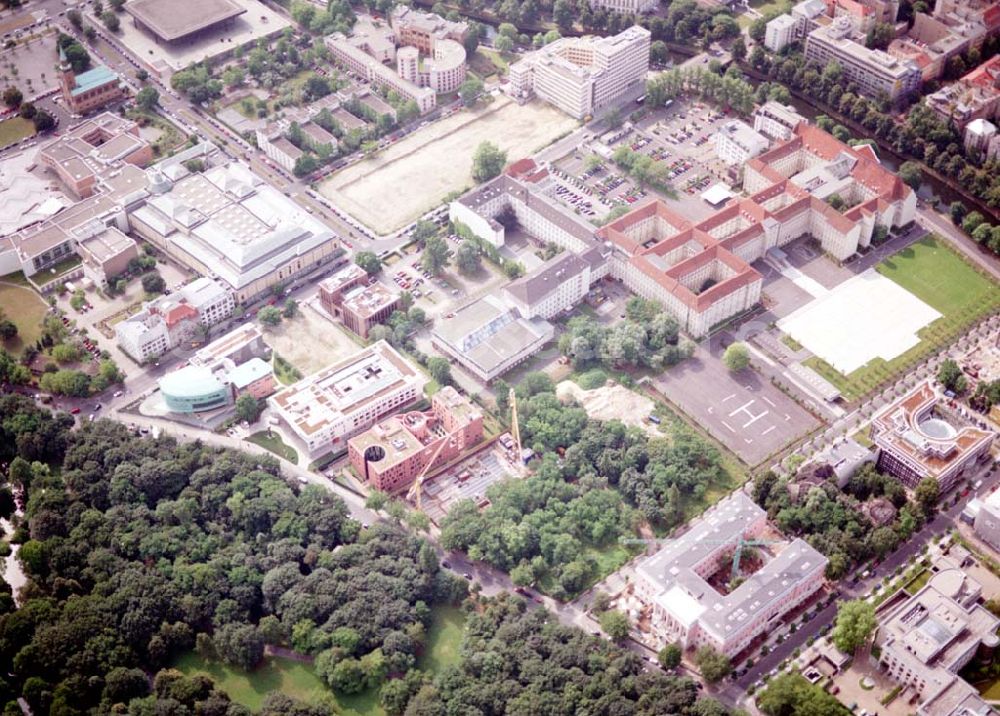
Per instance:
x=515, y=428
x=414, y=493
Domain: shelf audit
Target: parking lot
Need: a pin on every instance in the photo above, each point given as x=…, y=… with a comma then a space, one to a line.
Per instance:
x=680, y=136
x=741, y=410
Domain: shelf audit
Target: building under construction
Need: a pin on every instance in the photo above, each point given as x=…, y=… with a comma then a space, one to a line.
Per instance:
x=394, y=454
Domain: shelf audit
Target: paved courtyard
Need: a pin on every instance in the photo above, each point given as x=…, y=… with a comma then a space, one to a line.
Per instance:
x=743, y=411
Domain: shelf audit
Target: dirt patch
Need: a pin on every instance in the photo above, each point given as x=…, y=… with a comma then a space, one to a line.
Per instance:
x=310, y=341
x=612, y=402
x=415, y=174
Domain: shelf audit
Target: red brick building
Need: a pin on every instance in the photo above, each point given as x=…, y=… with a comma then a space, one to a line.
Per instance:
x=390, y=455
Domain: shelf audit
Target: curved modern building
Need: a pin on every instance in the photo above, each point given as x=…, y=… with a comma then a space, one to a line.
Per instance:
x=193, y=389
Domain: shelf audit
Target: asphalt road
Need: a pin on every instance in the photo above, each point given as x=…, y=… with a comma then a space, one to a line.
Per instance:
x=942, y=523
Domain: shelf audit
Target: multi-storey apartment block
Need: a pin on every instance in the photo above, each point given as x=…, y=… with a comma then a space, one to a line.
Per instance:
x=687, y=609
x=736, y=142
x=874, y=72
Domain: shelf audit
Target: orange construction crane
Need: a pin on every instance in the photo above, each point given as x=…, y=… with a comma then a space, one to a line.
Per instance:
x=515, y=429
x=414, y=493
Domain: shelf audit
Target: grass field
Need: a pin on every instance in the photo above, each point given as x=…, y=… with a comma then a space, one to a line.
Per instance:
x=291, y=678
x=935, y=273
x=310, y=342
x=26, y=309
x=774, y=7
x=275, y=444
x=437, y=161
x=14, y=130
x=443, y=639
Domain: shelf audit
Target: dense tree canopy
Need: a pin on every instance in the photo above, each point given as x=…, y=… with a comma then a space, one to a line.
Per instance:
x=137, y=548
x=517, y=661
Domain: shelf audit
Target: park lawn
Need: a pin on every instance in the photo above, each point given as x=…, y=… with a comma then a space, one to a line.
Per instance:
x=14, y=130
x=773, y=6
x=272, y=442
x=938, y=275
x=290, y=677
x=444, y=639
x=26, y=309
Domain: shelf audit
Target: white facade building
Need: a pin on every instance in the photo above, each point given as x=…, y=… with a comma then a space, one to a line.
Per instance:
x=776, y=121
x=326, y=408
x=583, y=75
x=626, y=7
x=736, y=142
x=556, y=286
x=780, y=32
x=168, y=321
x=978, y=135
x=874, y=71
x=685, y=608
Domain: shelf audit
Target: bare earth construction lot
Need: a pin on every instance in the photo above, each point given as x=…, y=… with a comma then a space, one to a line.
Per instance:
x=414, y=175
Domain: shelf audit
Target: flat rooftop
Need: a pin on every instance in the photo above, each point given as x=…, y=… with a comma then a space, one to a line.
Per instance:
x=178, y=18
x=674, y=569
x=325, y=398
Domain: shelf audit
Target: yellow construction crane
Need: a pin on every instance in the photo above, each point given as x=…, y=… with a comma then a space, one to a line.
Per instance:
x=514, y=427
x=414, y=493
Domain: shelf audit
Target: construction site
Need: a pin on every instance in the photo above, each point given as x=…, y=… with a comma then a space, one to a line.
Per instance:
x=438, y=457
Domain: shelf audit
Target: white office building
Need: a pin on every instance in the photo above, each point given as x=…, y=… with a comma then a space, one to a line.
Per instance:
x=583, y=75
x=776, y=121
x=556, y=286
x=874, y=72
x=625, y=7
x=169, y=321
x=736, y=142
x=686, y=608
x=326, y=408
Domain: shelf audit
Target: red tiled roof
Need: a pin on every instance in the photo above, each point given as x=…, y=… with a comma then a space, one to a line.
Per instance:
x=178, y=313
x=521, y=167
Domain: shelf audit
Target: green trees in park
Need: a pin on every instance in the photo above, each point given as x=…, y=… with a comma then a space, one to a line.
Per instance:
x=927, y=494
x=792, y=695
x=440, y=370
x=269, y=315
x=153, y=282
x=147, y=98
x=468, y=258
x=549, y=525
x=487, y=162
x=615, y=624
x=213, y=548
x=434, y=257
x=669, y=657
x=855, y=624
x=248, y=408
x=648, y=337
x=832, y=521
x=470, y=90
